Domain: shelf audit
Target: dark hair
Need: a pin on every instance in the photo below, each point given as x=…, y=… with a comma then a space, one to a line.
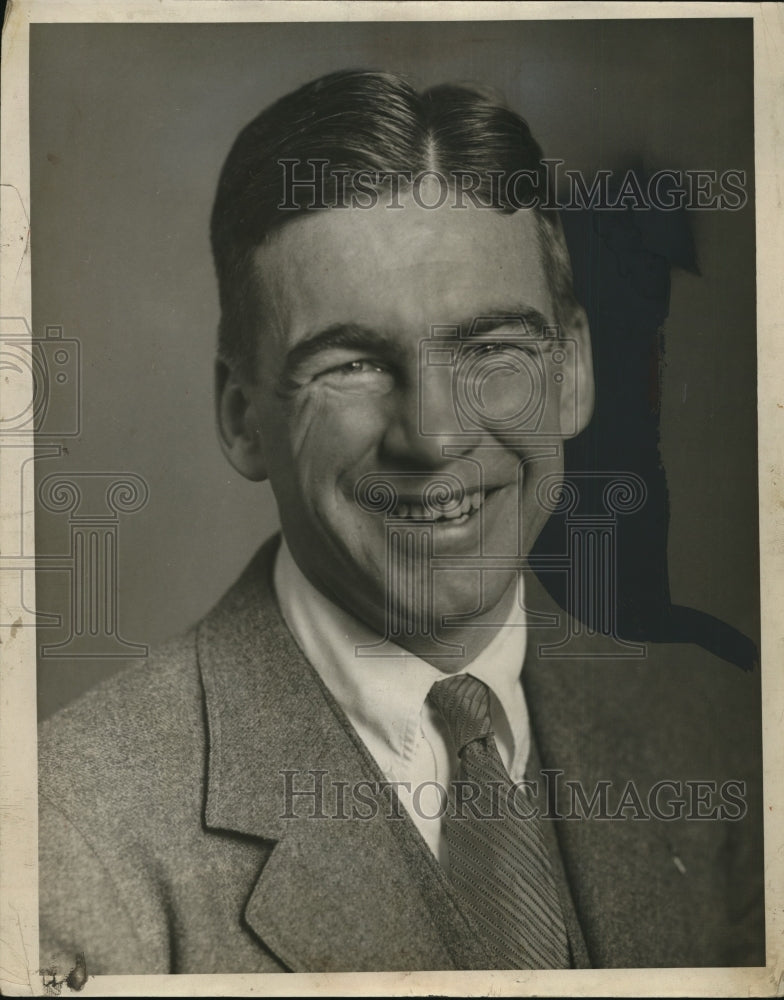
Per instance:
x=359, y=120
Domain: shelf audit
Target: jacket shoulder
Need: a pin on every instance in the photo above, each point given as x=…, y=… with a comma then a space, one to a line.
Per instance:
x=131, y=724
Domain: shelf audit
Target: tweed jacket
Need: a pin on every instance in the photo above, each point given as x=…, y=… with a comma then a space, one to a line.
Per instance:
x=166, y=844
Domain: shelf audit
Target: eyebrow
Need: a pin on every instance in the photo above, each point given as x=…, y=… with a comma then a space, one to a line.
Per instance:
x=354, y=335
x=486, y=321
x=346, y=335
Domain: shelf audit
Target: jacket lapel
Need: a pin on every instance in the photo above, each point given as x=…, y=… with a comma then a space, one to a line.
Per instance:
x=335, y=893
x=593, y=722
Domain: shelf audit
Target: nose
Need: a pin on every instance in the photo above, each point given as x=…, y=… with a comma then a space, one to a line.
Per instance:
x=423, y=430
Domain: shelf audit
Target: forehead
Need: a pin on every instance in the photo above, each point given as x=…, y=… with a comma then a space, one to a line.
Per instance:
x=398, y=270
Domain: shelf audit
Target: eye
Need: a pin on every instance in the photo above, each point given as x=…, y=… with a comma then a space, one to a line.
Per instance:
x=494, y=347
x=358, y=375
x=356, y=367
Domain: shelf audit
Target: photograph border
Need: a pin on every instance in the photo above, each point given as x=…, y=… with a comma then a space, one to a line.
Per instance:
x=19, y=960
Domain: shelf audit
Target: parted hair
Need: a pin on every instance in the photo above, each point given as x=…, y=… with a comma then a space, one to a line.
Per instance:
x=359, y=121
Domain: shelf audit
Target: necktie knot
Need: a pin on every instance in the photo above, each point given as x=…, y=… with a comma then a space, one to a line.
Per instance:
x=464, y=705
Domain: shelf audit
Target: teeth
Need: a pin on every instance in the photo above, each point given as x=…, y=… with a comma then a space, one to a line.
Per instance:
x=471, y=501
x=456, y=512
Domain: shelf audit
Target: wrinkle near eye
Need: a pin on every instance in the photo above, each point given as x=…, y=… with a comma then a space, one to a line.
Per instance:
x=309, y=411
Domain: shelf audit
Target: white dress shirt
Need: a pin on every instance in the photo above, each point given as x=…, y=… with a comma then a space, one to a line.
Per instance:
x=384, y=697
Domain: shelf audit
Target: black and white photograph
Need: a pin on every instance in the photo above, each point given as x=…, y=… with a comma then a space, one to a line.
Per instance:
x=392, y=552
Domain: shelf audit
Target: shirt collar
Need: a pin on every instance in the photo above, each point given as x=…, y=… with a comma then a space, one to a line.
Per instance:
x=383, y=695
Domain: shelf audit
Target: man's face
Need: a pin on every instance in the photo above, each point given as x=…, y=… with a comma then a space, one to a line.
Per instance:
x=348, y=297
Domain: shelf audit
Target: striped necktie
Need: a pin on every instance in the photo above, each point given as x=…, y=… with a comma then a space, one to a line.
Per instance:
x=497, y=857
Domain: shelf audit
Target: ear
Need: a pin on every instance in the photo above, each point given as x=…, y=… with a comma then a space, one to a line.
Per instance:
x=577, y=397
x=238, y=425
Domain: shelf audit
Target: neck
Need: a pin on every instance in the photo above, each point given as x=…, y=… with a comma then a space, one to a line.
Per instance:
x=453, y=647
x=448, y=647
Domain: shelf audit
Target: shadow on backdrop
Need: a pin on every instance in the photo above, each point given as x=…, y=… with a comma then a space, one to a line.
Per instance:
x=622, y=262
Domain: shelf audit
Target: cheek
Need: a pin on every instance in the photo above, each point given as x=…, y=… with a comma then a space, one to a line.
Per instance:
x=331, y=436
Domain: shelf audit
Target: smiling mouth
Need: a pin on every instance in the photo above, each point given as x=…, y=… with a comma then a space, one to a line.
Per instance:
x=450, y=513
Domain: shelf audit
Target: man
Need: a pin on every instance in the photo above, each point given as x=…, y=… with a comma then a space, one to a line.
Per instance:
x=353, y=762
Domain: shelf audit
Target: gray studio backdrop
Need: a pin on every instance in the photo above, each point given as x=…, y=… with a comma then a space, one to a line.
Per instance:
x=129, y=128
